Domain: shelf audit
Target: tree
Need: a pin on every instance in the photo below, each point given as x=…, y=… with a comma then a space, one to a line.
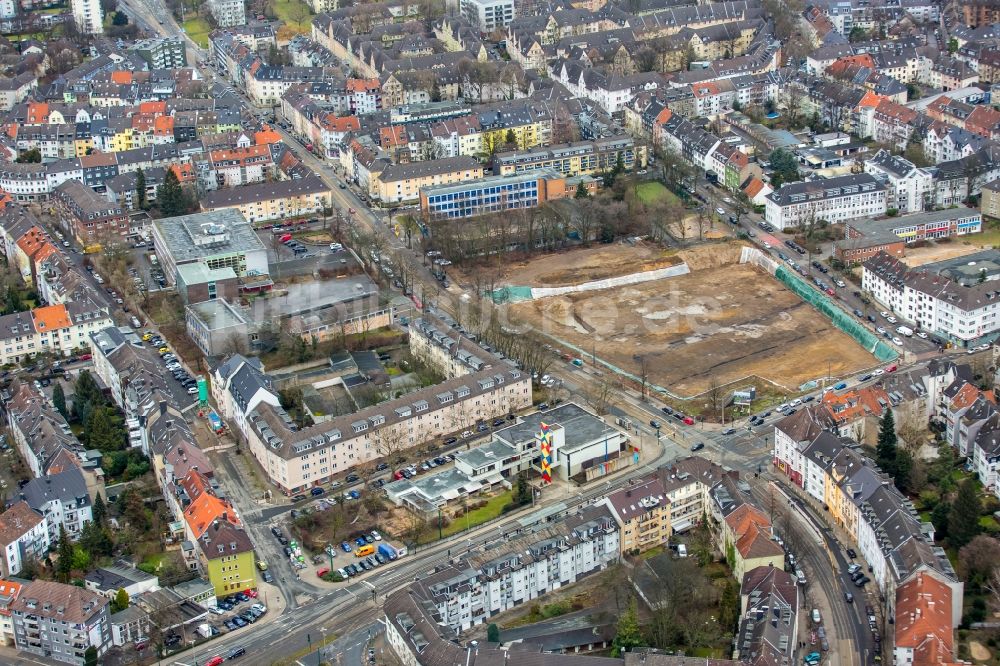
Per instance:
x=120, y=601
x=903, y=470
x=493, y=633
x=729, y=606
x=963, y=521
x=170, y=196
x=59, y=400
x=99, y=511
x=978, y=558
x=581, y=191
x=64, y=567
x=140, y=189
x=784, y=165
x=90, y=656
x=628, y=634
x=858, y=34
x=119, y=19
x=33, y=156
x=939, y=518
x=101, y=433
x=885, y=450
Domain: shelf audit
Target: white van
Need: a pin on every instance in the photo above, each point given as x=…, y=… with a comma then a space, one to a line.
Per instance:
x=682, y=550
x=816, y=617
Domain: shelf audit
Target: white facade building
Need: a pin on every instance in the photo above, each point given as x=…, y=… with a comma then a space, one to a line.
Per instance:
x=24, y=535
x=832, y=200
x=908, y=187
x=228, y=12
x=88, y=16
x=489, y=15
x=965, y=315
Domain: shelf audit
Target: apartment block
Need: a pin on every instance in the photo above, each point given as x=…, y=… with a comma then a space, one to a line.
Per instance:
x=642, y=512
x=59, y=622
x=574, y=159
x=489, y=15
x=88, y=16
x=228, y=13
x=935, y=301
x=262, y=202
x=24, y=535
x=833, y=200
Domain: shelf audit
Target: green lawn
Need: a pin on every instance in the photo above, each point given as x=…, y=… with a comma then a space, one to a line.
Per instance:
x=494, y=507
x=197, y=29
x=652, y=191
x=293, y=13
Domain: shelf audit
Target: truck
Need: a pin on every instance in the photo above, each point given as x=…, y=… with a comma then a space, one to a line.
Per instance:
x=387, y=551
x=365, y=551
x=905, y=330
x=215, y=422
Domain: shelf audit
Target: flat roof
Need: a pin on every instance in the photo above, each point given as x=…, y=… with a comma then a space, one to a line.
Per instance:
x=437, y=488
x=490, y=452
x=580, y=426
x=217, y=314
x=490, y=181
x=219, y=232
x=198, y=273
x=309, y=297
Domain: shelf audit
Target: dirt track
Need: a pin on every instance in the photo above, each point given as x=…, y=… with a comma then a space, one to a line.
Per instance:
x=720, y=323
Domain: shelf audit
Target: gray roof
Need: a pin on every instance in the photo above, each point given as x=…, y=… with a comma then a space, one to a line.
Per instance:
x=581, y=427
x=186, y=236
x=245, y=384
x=814, y=190
x=68, y=487
x=491, y=452
x=264, y=192
x=116, y=576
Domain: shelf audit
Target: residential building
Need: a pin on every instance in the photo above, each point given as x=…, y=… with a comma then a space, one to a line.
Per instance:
x=216, y=239
x=280, y=200
x=642, y=512
x=963, y=315
x=39, y=431
x=489, y=15
x=54, y=329
x=402, y=183
x=231, y=563
x=87, y=216
x=88, y=17
x=989, y=202
x=296, y=459
x=494, y=194
x=228, y=13
x=9, y=589
x=63, y=499
x=832, y=200
x=522, y=569
x=767, y=593
x=923, y=627
x=573, y=159
x=24, y=535
x=907, y=187
x=216, y=326
x=747, y=541
x=59, y=622
x=162, y=52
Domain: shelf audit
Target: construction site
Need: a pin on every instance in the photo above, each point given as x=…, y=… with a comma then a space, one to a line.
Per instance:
x=686, y=321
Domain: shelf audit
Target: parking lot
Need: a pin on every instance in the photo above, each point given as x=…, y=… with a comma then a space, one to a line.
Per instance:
x=184, y=386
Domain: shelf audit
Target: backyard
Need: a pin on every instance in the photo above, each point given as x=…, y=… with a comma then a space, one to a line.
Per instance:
x=294, y=14
x=652, y=191
x=197, y=29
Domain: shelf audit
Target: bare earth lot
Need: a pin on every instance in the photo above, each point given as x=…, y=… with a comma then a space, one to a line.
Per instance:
x=584, y=264
x=722, y=322
x=918, y=256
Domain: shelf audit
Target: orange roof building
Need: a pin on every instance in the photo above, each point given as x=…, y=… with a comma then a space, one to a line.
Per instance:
x=924, y=631
x=266, y=136
x=122, y=78
x=51, y=318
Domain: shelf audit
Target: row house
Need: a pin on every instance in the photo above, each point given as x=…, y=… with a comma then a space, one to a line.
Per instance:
x=963, y=315
x=241, y=166
x=264, y=201
x=574, y=159
x=862, y=500
x=24, y=536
